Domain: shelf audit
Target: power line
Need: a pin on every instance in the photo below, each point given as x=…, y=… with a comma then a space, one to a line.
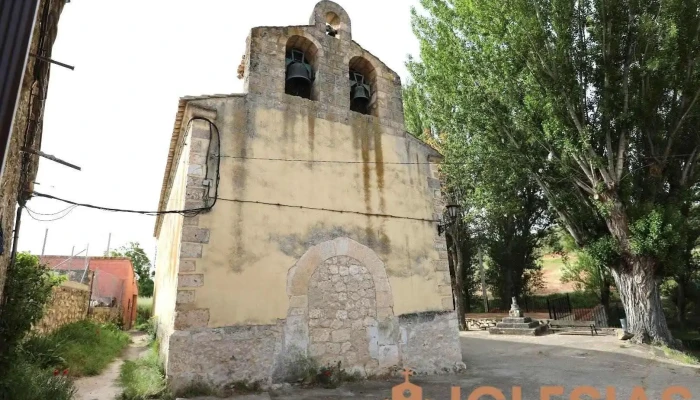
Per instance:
x=153, y=213
x=32, y=216
x=57, y=212
x=329, y=210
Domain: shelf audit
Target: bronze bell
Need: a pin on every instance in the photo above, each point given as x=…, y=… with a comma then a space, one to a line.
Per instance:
x=360, y=94
x=299, y=75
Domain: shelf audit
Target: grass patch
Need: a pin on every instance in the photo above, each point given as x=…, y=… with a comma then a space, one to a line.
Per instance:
x=144, y=378
x=86, y=347
x=680, y=356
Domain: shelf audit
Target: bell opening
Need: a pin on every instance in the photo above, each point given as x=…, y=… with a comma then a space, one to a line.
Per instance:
x=360, y=93
x=299, y=76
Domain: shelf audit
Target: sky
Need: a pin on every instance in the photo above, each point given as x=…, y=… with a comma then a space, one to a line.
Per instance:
x=113, y=115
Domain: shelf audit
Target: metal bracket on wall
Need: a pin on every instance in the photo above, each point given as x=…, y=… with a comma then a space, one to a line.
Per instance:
x=50, y=157
x=60, y=64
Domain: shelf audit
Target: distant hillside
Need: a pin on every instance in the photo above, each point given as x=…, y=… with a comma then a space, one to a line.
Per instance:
x=552, y=265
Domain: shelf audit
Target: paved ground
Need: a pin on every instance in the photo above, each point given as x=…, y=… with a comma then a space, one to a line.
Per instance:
x=552, y=360
x=104, y=386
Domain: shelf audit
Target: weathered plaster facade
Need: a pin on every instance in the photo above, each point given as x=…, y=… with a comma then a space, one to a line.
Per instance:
x=27, y=125
x=300, y=257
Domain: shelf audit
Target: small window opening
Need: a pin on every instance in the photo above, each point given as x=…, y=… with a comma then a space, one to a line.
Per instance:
x=332, y=24
x=299, y=76
x=360, y=93
x=330, y=31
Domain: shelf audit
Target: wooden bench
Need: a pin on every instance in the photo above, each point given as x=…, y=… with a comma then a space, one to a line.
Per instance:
x=576, y=325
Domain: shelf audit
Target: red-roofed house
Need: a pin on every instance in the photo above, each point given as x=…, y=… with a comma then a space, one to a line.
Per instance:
x=114, y=282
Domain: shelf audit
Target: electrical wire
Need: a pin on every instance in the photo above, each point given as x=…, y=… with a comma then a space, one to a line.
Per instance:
x=154, y=213
x=329, y=210
x=32, y=216
x=49, y=214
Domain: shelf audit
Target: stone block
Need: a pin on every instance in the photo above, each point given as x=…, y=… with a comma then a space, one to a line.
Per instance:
x=185, y=296
x=190, y=250
x=188, y=319
x=298, y=302
x=340, y=335
x=195, y=170
x=448, y=303
x=193, y=234
x=187, y=265
x=192, y=221
x=333, y=348
x=317, y=349
x=190, y=280
x=320, y=335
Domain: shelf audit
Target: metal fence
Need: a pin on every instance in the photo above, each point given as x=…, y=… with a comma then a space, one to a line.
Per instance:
x=107, y=290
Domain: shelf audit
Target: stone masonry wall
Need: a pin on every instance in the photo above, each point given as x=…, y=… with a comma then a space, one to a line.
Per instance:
x=106, y=314
x=342, y=303
x=223, y=356
x=26, y=130
x=68, y=304
x=430, y=343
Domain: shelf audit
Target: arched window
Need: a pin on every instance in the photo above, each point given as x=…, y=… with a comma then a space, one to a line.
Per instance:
x=363, y=78
x=300, y=67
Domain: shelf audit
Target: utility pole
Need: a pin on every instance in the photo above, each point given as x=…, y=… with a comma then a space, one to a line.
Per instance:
x=109, y=240
x=87, y=263
x=43, y=246
x=483, y=282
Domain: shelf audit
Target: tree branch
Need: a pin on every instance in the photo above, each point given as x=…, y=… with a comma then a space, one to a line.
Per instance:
x=671, y=138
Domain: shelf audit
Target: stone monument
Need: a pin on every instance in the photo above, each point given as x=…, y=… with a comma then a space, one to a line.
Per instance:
x=517, y=324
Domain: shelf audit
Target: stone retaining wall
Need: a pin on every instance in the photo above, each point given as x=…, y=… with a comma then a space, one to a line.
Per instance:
x=105, y=314
x=68, y=304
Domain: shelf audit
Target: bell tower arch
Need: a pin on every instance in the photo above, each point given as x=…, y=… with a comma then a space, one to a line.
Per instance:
x=328, y=14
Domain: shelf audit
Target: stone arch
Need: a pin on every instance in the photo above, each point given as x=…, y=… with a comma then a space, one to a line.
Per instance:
x=299, y=275
x=360, y=341
x=329, y=12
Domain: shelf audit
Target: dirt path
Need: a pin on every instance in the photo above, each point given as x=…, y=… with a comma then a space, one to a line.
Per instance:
x=105, y=386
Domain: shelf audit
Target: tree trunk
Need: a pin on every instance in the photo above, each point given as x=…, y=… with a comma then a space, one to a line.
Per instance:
x=681, y=302
x=639, y=292
x=457, y=267
x=605, y=298
x=637, y=284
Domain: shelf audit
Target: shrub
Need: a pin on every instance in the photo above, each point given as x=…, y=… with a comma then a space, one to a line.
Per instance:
x=42, y=351
x=27, y=381
x=88, y=347
x=27, y=289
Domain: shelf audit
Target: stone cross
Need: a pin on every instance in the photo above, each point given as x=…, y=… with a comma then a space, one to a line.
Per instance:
x=515, y=310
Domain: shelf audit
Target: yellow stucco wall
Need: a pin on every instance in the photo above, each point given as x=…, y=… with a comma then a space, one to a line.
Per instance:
x=252, y=246
x=168, y=258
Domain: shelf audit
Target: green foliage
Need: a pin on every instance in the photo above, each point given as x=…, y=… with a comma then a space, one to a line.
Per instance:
x=143, y=378
x=88, y=347
x=28, y=381
x=142, y=266
x=28, y=288
x=144, y=310
x=596, y=103
x=654, y=235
